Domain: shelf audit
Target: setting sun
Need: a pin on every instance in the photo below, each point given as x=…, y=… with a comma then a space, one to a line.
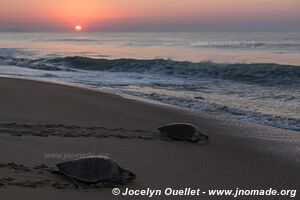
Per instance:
x=78, y=28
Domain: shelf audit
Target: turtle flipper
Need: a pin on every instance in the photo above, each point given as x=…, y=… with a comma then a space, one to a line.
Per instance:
x=200, y=142
x=54, y=170
x=76, y=183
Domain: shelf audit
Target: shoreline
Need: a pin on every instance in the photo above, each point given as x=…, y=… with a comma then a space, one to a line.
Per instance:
x=214, y=116
x=285, y=134
x=53, y=118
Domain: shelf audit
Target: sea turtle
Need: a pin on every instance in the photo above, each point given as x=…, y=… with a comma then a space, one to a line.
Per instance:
x=184, y=131
x=94, y=170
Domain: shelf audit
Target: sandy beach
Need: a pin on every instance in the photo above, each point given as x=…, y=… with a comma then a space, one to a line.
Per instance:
x=38, y=119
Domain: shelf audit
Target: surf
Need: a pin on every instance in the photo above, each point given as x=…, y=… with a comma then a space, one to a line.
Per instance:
x=269, y=74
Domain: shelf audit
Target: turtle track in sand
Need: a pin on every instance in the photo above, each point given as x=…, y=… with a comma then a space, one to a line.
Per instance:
x=59, y=130
x=18, y=175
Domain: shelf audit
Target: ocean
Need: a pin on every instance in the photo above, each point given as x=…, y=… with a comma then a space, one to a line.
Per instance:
x=246, y=76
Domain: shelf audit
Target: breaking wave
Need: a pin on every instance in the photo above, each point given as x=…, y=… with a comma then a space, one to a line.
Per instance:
x=268, y=74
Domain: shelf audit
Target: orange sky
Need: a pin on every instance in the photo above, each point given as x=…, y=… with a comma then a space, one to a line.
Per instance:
x=164, y=14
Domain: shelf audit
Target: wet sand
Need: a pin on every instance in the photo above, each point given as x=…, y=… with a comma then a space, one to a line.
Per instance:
x=37, y=119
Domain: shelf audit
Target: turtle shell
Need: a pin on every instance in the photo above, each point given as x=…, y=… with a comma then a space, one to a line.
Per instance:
x=95, y=170
x=180, y=131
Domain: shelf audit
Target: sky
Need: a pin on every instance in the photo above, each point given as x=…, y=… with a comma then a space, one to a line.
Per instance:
x=150, y=15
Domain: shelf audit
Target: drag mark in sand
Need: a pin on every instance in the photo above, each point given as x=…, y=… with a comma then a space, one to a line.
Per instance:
x=18, y=175
x=60, y=130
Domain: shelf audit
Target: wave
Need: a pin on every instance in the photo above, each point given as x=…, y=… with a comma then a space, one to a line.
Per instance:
x=200, y=104
x=41, y=64
x=261, y=73
x=269, y=74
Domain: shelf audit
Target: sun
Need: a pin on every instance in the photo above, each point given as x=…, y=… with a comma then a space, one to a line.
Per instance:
x=78, y=28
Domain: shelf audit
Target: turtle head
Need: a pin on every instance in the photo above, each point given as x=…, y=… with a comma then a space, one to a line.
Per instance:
x=202, y=139
x=128, y=175
x=121, y=176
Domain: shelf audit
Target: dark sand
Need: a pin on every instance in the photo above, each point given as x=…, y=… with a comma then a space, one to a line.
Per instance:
x=239, y=154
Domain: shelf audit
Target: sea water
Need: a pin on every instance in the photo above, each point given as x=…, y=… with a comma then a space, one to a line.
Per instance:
x=249, y=76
